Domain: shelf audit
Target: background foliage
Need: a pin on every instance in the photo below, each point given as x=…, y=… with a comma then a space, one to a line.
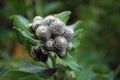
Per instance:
x=99, y=49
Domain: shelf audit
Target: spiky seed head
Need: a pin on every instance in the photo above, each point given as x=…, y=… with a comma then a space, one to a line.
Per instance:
x=37, y=21
x=49, y=44
x=57, y=27
x=61, y=53
x=43, y=33
x=70, y=45
x=69, y=33
x=35, y=24
x=38, y=18
x=48, y=20
x=60, y=42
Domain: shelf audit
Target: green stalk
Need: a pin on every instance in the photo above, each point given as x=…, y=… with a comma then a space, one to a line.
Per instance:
x=53, y=59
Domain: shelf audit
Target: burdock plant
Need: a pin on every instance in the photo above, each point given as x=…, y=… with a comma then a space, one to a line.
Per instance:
x=50, y=42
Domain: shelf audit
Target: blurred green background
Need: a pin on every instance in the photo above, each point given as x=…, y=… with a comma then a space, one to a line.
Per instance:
x=100, y=39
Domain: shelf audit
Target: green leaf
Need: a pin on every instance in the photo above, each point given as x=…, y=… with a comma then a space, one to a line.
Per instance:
x=46, y=73
x=76, y=25
x=27, y=69
x=21, y=22
x=76, y=39
x=13, y=75
x=24, y=36
x=3, y=71
x=69, y=61
x=39, y=71
x=26, y=40
x=63, y=16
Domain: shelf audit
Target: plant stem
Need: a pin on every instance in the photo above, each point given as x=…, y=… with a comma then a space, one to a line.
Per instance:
x=53, y=59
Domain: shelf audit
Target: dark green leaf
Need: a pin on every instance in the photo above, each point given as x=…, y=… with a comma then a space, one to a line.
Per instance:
x=3, y=71
x=46, y=73
x=39, y=71
x=27, y=69
x=63, y=16
x=69, y=61
x=13, y=75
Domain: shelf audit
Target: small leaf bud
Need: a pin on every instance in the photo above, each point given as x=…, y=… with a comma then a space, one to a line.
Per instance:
x=61, y=53
x=48, y=20
x=35, y=24
x=37, y=21
x=60, y=42
x=43, y=33
x=57, y=27
x=38, y=18
x=69, y=33
x=49, y=44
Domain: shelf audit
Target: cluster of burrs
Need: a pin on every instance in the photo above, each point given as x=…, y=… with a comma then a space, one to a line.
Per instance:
x=54, y=35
